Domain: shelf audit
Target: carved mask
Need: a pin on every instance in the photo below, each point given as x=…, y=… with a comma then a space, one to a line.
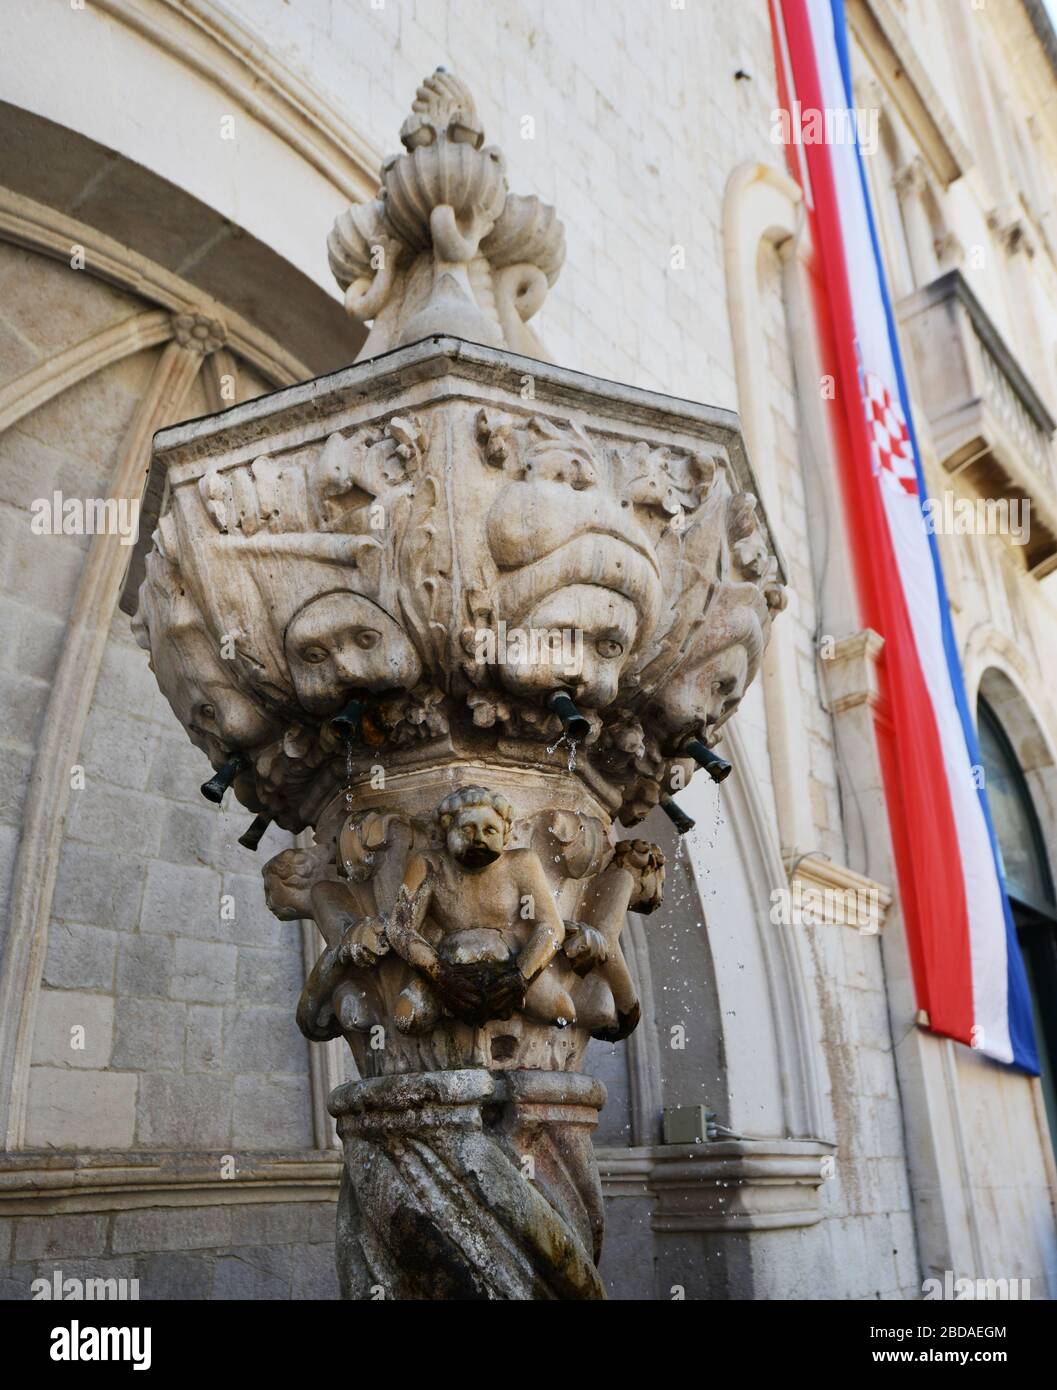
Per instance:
x=341, y=642
x=593, y=626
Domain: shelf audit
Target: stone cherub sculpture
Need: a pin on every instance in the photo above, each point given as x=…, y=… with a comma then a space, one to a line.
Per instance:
x=477, y=922
x=474, y=932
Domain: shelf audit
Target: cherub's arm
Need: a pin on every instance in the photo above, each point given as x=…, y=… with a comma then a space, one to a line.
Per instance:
x=333, y=908
x=605, y=906
x=549, y=931
x=404, y=923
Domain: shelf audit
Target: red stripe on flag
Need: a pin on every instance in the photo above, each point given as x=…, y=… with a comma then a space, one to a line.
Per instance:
x=924, y=835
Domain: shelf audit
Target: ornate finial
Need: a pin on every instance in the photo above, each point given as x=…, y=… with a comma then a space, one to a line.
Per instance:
x=442, y=106
x=444, y=248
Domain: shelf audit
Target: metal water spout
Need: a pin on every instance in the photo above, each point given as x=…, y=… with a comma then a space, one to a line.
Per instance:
x=717, y=768
x=252, y=837
x=214, y=789
x=678, y=817
x=575, y=727
x=359, y=722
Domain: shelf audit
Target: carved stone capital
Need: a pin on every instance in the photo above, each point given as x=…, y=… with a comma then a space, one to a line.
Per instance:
x=851, y=670
x=1012, y=230
x=950, y=253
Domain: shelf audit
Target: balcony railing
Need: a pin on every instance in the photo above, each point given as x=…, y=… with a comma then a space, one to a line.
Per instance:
x=986, y=420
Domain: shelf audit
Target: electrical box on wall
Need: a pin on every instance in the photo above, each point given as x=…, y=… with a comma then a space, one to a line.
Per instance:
x=688, y=1124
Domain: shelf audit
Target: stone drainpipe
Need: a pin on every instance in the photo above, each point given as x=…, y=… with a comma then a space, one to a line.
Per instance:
x=462, y=613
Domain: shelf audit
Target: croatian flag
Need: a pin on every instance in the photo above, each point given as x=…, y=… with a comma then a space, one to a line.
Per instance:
x=967, y=967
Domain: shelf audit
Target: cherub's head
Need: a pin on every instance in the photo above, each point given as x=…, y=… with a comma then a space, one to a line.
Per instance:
x=476, y=824
x=646, y=863
x=342, y=641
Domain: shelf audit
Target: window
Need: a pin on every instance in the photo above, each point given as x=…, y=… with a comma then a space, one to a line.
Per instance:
x=1030, y=883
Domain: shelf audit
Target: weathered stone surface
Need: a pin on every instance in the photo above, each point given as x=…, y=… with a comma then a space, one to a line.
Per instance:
x=261, y=1040
x=97, y=885
x=66, y=1237
x=271, y=1112
x=254, y=1272
x=200, y=1228
x=203, y=972
x=173, y=1274
x=312, y=1266
x=81, y=955
x=144, y=966
x=460, y=1185
x=74, y=1029
x=80, y=1109
x=148, y=1035
x=178, y=900
x=203, y=1038
x=184, y=1111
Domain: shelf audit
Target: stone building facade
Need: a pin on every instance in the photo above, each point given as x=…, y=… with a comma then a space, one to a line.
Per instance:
x=163, y=1118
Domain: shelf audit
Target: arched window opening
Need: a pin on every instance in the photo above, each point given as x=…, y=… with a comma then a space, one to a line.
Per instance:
x=1029, y=880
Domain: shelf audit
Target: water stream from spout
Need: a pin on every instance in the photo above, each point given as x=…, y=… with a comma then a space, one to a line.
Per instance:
x=348, y=774
x=564, y=738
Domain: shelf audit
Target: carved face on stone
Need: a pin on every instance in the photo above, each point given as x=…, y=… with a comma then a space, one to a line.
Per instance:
x=721, y=684
x=207, y=702
x=287, y=879
x=646, y=862
x=700, y=698
x=476, y=825
x=477, y=837
x=343, y=642
x=594, y=626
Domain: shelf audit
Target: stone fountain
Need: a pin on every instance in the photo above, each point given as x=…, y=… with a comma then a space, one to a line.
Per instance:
x=460, y=614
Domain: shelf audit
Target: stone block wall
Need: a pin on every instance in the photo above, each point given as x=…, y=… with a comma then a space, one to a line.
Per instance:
x=258, y=1251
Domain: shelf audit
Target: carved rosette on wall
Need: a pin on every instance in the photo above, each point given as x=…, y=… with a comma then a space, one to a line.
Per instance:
x=461, y=635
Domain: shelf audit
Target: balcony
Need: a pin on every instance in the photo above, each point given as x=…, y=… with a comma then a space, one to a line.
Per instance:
x=986, y=420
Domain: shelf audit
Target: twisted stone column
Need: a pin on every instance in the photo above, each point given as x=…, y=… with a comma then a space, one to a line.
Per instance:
x=469, y=1185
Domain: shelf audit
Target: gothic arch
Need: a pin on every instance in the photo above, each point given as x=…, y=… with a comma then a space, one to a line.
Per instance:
x=50, y=217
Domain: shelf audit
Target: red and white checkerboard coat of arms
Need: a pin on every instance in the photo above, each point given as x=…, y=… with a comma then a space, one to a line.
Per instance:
x=893, y=455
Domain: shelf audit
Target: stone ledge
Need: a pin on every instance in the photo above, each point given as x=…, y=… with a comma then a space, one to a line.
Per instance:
x=733, y=1185
x=46, y=1182
x=722, y=1186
